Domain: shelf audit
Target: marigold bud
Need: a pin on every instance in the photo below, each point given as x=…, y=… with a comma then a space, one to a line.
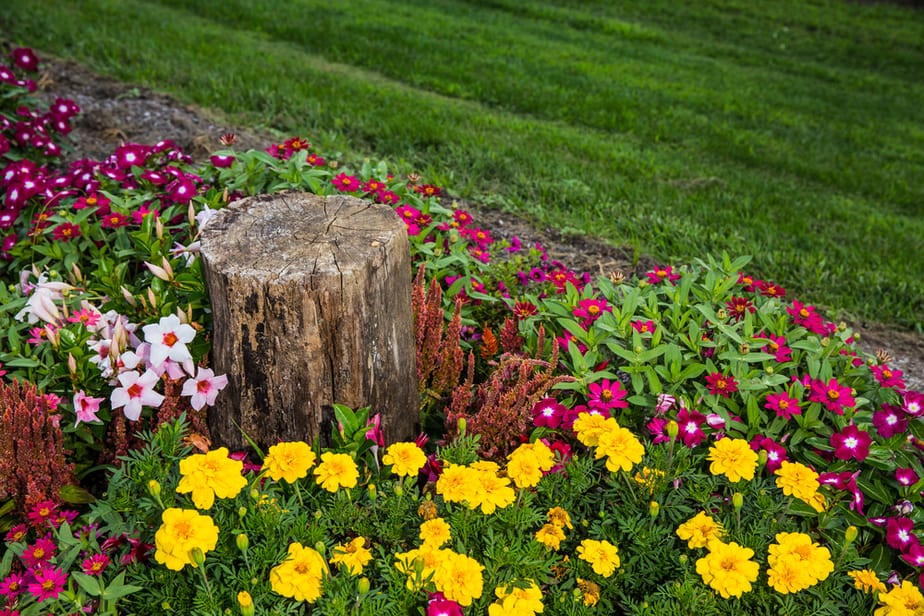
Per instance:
x=762, y=457
x=245, y=601
x=320, y=547
x=653, y=509
x=737, y=500
x=427, y=510
x=242, y=511
x=197, y=556
x=461, y=426
x=242, y=542
x=154, y=488
x=373, y=492
x=672, y=429
x=363, y=585
x=850, y=534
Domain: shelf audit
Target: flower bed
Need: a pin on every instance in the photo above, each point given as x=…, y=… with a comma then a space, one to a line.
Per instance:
x=694, y=440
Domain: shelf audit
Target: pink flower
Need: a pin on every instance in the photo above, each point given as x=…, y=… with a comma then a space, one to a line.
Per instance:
x=65, y=232
x=913, y=403
x=41, y=513
x=644, y=327
x=888, y=377
x=86, y=407
x=25, y=58
x=833, y=395
x=770, y=289
x=851, y=443
x=665, y=403
x=658, y=428
x=906, y=476
x=40, y=552
x=900, y=533
x=739, y=307
x=783, y=405
x=114, y=220
x=47, y=584
x=130, y=155
x=346, y=183
x=16, y=533
x=95, y=565
x=137, y=390
x=776, y=453
x=720, y=385
x=222, y=161
x=181, y=190
x=605, y=395
x=662, y=273
x=845, y=481
x=374, y=433
x=88, y=316
x=548, y=413
x=914, y=555
x=168, y=339
x=690, y=427
x=204, y=388
x=889, y=421
x=438, y=605
x=777, y=346
x=12, y=586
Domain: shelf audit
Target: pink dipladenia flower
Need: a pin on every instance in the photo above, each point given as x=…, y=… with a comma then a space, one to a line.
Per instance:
x=605, y=395
x=168, y=339
x=851, y=443
x=86, y=407
x=834, y=396
x=888, y=377
x=889, y=421
x=720, y=385
x=783, y=405
x=204, y=388
x=136, y=391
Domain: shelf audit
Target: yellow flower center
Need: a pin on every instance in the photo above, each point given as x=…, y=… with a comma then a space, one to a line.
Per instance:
x=606, y=395
x=833, y=394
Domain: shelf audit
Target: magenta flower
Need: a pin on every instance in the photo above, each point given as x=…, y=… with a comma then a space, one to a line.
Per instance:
x=65, y=232
x=739, y=307
x=783, y=405
x=605, y=395
x=67, y=515
x=130, y=155
x=900, y=533
x=720, y=385
x=913, y=403
x=204, y=388
x=548, y=413
x=665, y=403
x=88, y=316
x=86, y=407
x=12, y=586
x=114, y=220
x=889, y=421
x=136, y=390
x=803, y=315
x=770, y=289
x=25, y=58
x=658, y=429
x=95, y=565
x=181, y=190
x=48, y=583
x=777, y=346
x=851, y=443
x=438, y=605
x=41, y=513
x=662, y=273
x=644, y=327
x=833, y=395
x=221, y=161
x=888, y=377
x=914, y=555
x=776, y=453
x=16, y=533
x=906, y=476
x=41, y=551
x=846, y=481
x=690, y=427
x=346, y=183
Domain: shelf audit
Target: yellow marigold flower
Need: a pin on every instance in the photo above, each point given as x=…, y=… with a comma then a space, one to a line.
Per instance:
x=649, y=477
x=245, y=602
x=419, y=564
x=459, y=578
x=798, y=480
x=427, y=509
x=727, y=568
x=700, y=530
x=458, y=484
x=435, y=532
x=734, y=458
x=866, y=580
x=551, y=536
x=788, y=575
x=405, y=459
x=559, y=517
x=181, y=531
x=299, y=576
x=589, y=426
x=904, y=600
x=517, y=600
x=336, y=470
x=289, y=461
x=527, y=462
x=814, y=560
x=494, y=492
x=211, y=474
x=590, y=591
x=603, y=556
x=621, y=448
x=352, y=556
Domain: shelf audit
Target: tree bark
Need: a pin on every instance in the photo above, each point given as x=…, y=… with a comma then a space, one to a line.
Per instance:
x=311, y=306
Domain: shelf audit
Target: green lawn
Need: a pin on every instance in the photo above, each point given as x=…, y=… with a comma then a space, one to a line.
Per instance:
x=793, y=131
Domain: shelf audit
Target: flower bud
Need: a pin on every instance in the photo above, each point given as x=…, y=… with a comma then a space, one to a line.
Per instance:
x=399, y=489
x=744, y=349
x=152, y=298
x=850, y=534
x=197, y=556
x=722, y=314
x=461, y=426
x=737, y=501
x=255, y=494
x=242, y=511
x=825, y=341
x=762, y=457
x=154, y=488
x=770, y=370
x=159, y=228
x=320, y=548
x=373, y=492
x=653, y=509
x=638, y=350
x=672, y=429
x=71, y=365
x=242, y=542
x=245, y=601
x=363, y=585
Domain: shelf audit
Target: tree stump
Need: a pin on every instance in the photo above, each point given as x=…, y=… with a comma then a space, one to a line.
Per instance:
x=311, y=306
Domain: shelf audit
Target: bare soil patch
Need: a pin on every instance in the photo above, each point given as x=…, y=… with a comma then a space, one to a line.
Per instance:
x=113, y=112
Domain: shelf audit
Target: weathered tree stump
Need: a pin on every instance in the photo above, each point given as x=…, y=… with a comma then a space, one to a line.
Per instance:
x=311, y=306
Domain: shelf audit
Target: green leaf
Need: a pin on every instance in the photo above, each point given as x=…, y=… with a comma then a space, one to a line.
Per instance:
x=87, y=582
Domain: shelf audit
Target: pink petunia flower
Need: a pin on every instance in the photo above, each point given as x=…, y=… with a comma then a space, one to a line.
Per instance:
x=783, y=405
x=48, y=583
x=720, y=385
x=204, y=388
x=605, y=395
x=851, y=443
x=136, y=391
x=832, y=395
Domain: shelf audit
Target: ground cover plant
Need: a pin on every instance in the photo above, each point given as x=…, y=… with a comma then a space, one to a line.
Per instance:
x=698, y=439
x=787, y=132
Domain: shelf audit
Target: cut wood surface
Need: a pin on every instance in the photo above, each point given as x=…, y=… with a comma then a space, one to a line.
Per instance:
x=311, y=306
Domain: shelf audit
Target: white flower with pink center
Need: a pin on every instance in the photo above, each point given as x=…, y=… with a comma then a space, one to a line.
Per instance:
x=168, y=339
x=204, y=388
x=137, y=390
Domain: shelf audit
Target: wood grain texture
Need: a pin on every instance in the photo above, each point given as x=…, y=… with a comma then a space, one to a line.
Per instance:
x=311, y=307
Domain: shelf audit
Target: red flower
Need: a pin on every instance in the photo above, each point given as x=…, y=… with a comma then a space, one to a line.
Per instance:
x=720, y=385
x=114, y=220
x=738, y=307
x=41, y=513
x=345, y=183
x=690, y=427
x=25, y=58
x=851, y=442
x=428, y=190
x=783, y=405
x=770, y=289
x=65, y=232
